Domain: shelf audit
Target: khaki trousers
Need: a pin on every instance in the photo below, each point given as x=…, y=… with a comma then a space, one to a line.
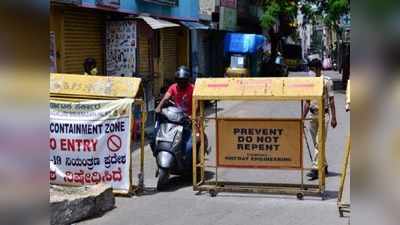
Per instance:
x=314, y=125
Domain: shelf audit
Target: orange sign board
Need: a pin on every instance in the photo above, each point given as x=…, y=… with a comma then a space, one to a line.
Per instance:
x=259, y=143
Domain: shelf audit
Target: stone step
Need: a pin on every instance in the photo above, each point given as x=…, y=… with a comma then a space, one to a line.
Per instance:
x=72, y=204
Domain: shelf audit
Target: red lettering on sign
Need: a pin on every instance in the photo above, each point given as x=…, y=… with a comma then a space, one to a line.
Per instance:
x=53, y=175
x=81, y=177
x=71, y=145
x=114, y=143
x=63, y=145
x=85, y=145
x=301, y=85
x=78, y=141
x=53, y=143
x=217, y=85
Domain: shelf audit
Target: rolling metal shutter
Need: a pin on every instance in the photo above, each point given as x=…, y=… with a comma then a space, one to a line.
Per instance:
x=83, y=36
x=144, y=53
x=169, y=58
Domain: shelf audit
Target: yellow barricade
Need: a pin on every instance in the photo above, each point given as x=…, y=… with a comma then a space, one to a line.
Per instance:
x=237, y=134
x=77, y=88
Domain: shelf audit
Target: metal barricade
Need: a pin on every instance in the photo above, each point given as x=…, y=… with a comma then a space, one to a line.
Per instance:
x=256, y=89
x=75, y=88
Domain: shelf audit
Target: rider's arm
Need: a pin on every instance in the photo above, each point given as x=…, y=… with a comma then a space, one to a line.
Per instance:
x=166, y=97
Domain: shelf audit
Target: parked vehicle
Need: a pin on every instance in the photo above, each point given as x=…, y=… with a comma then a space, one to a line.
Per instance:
x=293, y=57
x=274, y=67
x=281, y=69
x=173, y=128
x=242, y=52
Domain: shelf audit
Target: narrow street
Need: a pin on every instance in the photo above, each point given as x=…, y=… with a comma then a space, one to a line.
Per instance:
x=180, y=205
x=116, y=62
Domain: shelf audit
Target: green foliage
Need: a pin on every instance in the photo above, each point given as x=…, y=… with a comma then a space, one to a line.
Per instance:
x=330, y=10
x=337, y=8
x=273, y=9
x=270, y=16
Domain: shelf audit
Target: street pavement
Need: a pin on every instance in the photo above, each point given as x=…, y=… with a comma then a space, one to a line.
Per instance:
x=180, y=205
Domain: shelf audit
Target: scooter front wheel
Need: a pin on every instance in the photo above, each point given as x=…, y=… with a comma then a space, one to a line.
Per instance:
x=163, y=177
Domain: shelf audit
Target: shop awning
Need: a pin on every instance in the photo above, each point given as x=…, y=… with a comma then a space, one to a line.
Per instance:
x=157, y=23
x=194, y=25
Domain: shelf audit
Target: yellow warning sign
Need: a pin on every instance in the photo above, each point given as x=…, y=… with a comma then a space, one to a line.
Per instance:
x=247, y=88
x=102, y=86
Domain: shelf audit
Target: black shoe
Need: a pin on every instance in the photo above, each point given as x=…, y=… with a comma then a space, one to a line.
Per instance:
x=313, y=174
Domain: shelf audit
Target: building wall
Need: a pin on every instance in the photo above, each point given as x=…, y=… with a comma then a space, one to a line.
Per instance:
x=206, y=7
x=186, y=9
x=79, y=34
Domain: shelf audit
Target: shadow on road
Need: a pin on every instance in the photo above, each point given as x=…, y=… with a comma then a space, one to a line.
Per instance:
x=176, y=183
x=333, y=174
x=329, y=195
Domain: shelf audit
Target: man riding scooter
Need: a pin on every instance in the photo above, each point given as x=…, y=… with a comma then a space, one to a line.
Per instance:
x=181, y=94
x=172, y=142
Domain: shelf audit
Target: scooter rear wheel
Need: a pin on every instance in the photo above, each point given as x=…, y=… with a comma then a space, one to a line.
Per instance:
x=163, y=178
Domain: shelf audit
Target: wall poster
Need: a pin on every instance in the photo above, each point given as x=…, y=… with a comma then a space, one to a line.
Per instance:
x=121, y=48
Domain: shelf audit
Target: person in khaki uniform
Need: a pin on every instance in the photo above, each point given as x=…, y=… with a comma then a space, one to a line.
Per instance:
x=330, y=115
x=348, y=96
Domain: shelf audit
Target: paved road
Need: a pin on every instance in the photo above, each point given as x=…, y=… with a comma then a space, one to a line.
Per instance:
x=181, y=205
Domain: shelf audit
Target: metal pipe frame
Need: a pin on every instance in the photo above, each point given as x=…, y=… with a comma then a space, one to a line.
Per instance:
x=344, y=174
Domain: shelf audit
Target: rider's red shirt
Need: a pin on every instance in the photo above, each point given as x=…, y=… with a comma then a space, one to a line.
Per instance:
x=182, y=98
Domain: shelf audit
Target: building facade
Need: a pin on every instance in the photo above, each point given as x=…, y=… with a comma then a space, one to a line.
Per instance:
x=141, y=38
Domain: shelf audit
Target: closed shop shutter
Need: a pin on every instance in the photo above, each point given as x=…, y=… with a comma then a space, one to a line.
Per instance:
x=204, y=53
x=168, y=55
x=83, y=36
x=144, y=69
x=144, y=53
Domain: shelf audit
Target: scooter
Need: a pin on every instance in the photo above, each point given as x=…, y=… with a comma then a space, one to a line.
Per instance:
x=172, y=129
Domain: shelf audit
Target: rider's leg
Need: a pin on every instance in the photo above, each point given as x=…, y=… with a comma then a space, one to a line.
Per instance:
x=187, y=146
x=153, y=139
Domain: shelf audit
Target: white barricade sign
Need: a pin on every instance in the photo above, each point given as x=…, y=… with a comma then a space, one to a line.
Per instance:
x=90, y=142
